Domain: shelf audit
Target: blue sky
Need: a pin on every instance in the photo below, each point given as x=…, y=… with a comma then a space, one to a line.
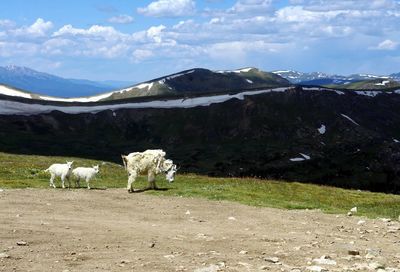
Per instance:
x=141, y=40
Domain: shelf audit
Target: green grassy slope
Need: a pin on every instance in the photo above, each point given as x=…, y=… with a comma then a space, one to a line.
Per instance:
x=375, y=84
x=22, y=171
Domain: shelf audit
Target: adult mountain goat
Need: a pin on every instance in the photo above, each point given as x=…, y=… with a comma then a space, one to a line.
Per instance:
x=151, y=162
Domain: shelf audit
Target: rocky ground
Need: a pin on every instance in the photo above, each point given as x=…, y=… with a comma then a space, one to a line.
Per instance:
x=111, y=230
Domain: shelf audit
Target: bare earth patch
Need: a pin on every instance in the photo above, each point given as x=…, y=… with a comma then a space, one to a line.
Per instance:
x=111, y=230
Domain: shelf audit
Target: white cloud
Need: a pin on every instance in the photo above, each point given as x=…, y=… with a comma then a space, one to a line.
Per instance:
x=121, y=19
x=386, y=45
x=39, y=28
x=106, y=32
x=251, y=6
x=155, y=33
x=169, y=8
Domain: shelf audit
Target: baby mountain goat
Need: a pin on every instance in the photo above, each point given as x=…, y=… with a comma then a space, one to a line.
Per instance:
x=86, y=173
x=60, y=170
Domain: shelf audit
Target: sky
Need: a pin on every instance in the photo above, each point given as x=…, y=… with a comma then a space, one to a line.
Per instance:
x=141, y=40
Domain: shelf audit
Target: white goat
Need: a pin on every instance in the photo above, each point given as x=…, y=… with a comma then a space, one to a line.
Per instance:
x=150, y=162
x=60, y=170
x=86, y=173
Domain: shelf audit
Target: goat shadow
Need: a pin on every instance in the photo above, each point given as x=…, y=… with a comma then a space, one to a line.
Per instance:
x=148, y=189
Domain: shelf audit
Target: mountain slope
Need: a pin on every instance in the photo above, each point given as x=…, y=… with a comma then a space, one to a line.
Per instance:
x=199, y=80
x=374, y=84
x=50, y=85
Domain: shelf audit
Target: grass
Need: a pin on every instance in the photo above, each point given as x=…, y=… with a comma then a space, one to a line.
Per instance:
x=22, y=171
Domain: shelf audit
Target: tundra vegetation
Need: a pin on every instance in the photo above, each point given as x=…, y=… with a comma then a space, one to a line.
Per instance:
x=27, y=171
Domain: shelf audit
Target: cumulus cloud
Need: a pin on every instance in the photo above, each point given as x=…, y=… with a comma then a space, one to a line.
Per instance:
x=251, y=6
x=169, y=8
x=40, y=28
x=386, y=45
x=121, y=19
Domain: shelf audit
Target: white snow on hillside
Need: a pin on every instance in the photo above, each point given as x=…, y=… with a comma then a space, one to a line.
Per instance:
x=245, y=70
x=249, y=81
x=302, y=158
x=383, y=83
x=348, y=118
x=144, y=85
x=12, y=107
x=11, y=92
x=178, y=75
x=322, y=129
x=368, y=93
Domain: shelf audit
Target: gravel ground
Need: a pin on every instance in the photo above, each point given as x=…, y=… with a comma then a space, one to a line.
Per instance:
x=111, y=230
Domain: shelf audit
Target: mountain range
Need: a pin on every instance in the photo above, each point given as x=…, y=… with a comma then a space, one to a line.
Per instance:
x=324, y=79
x=46, y=84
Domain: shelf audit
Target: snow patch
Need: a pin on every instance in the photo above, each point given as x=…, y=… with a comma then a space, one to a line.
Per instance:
x=144, y=85
x=245, y=70
x=395, y=140
x=302, y=158
x=297, y=159
x=305, y=156
x=348, y=118
x=322, y=129
x=249, y=81
x=383, y=83
x=178, y=75
x=11, y=92
x=368, y=93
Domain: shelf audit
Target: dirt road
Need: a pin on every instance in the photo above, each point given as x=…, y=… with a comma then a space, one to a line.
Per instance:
x=111, y=230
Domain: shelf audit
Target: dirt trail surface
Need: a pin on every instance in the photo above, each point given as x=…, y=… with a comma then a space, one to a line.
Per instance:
x=111, y=230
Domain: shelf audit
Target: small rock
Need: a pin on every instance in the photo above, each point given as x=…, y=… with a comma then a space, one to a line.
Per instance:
x=22, y=243
x=125, y=261
x=361, y=222
x=4, y=256
x=211, y=268
x=316, y=268
x=353, y=252
x=243, y=252
x=151, y=245
x=376, y=266
x=349, y=214
x=325, y=260
x=1, y=190
x=264, y=267
x=271, y=259
x=386, y=220
x=187, y=212
x=169, y=256
x=353, y=210
x=231, y=218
